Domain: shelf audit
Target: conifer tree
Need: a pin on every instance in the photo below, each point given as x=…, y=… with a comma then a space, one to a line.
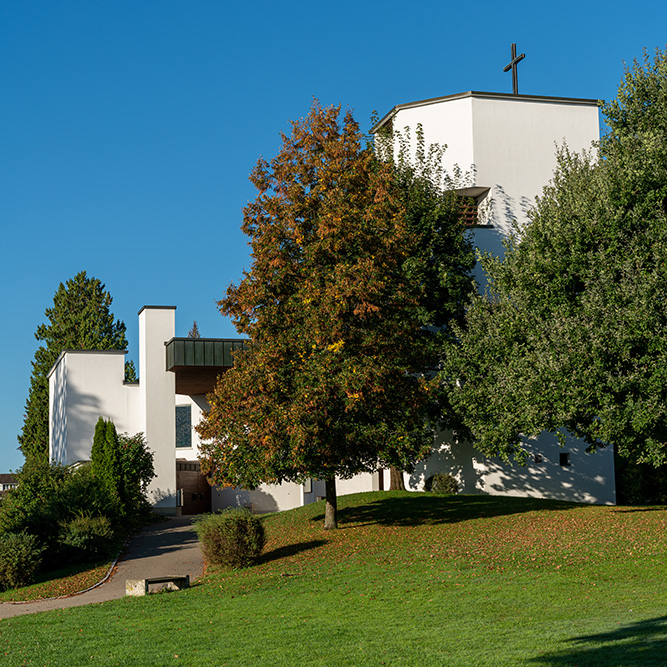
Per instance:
x=112, y=469
x=80, y=319
x=123, y=464
x=97, y=451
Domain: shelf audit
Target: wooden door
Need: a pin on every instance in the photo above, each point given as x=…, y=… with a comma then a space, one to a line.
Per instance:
x=194, y=487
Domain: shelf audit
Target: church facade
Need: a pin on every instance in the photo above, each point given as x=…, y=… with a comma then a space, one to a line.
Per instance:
x=505, y=149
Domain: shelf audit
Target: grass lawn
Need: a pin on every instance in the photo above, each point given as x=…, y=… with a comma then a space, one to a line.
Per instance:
x=409, y=579
x=66, y=581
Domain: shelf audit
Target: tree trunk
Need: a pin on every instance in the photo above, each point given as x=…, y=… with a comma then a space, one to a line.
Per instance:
x=396, y=479
x=331, y=508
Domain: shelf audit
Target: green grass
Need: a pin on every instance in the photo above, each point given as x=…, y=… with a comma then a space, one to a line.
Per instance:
x=66, y=581
x=409, y=579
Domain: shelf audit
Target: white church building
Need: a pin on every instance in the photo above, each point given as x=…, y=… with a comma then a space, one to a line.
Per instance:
x=506, y=145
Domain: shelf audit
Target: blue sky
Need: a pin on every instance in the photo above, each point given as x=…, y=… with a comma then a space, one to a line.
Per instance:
x=128, y=129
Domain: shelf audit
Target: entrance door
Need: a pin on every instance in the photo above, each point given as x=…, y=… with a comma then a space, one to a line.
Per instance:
x=196, y=491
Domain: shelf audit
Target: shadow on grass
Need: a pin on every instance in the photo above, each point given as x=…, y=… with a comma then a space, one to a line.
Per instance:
x=290, y=550
x=412, y=509
x=626, y=510
x=641, y=643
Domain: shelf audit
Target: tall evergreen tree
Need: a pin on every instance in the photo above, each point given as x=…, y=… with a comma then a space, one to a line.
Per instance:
x=97, y=450
x=80, y=319
x=112, y=470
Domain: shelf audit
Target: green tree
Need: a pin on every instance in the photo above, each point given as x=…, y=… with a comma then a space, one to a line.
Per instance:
x=123, y=465
x=106, y=460
x=130, y=372
x=572, y=333
x=442, y=255
x=97, y=451
x=80, y=319
x=136, y=463
x=332, y=382
x=47, y=494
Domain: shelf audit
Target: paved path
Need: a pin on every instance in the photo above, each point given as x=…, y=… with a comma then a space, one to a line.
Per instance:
x=164, y=548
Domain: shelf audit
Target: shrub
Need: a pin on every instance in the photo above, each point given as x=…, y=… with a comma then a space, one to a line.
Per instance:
x=83, y=493
x=234, y=537
x=48, y=492
x=20, y=558
x=442, y=483
x=136, y=462
x=86, y=538
x=35, y=505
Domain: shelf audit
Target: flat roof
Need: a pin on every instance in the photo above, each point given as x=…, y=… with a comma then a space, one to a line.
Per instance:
x=476, y=93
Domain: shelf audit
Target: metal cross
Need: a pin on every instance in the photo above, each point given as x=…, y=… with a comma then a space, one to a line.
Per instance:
x=512, y=66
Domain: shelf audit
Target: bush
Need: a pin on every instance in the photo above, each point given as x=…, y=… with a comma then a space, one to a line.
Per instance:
x=86, y=538
x=234, y=537
x=20, y=558
x=35, y=505
x=83, y=494
x=442, y=483
x=48, y=492
x=136, y=462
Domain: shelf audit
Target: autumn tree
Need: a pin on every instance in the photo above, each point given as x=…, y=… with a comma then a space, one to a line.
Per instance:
x=332, y=382
x=80, y=319
x=194, y=331
x=572, y=334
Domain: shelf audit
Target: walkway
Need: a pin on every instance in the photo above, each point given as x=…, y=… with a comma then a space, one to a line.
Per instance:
x=164, y=548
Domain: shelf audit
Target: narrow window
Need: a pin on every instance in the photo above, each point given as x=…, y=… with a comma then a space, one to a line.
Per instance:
x=565, y=459
x=183, y=426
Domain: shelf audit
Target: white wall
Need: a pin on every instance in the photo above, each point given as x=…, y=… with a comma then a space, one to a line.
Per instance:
x=288, y=495
x=588, y=479
x=84, y=386
x=364, y=481
x=505, y=143
x=157, y=388
x=266, y=498
x=58, y=411
x=448, y=123
x=515, y=143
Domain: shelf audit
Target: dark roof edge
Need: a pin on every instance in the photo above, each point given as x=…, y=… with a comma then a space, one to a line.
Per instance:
x=156, y=308
x=478, y=93
x=215, y=340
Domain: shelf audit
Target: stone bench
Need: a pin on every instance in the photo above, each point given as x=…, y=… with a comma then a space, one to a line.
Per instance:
x=142, y=586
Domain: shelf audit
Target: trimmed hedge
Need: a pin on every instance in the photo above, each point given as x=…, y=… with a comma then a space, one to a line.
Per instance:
x=234, y=537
